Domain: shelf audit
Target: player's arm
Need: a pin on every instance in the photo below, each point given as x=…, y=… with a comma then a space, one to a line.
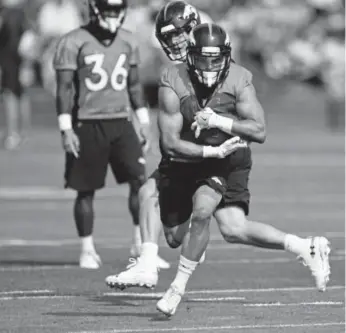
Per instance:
x=65, y=64
x=64, y=105
x=251, y=127
x=137, y=97
x=170, y=125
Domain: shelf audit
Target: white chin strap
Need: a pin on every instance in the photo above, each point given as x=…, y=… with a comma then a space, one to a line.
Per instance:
x=207, y=78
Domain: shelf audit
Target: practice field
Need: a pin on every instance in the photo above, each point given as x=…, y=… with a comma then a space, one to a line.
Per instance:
x=297, y=184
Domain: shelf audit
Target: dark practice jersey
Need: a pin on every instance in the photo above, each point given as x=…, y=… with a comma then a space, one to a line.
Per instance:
x=223, y=102
x=101, y=72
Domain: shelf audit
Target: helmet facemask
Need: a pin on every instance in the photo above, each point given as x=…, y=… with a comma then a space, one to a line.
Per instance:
x=209, y=65
x=108, y=16
x=174, y=43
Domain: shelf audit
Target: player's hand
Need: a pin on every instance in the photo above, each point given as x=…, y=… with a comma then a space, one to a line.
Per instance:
x=231, y=145
x=70, y=142
x=145, y=134
x=203, y=120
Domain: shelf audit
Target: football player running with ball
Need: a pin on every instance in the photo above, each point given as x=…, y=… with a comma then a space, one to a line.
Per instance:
x=211, y=88
x=97, y=88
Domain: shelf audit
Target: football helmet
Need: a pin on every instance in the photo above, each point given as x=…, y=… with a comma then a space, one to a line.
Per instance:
x=108, y=14
x=174, y=22
x=208, y=54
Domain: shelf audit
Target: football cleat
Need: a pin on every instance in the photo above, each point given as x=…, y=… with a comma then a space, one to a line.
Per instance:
x=202, y=260
x=161, y=263
x=168, y=304
x=136, y=274
x=90, y=260
x=316, y=257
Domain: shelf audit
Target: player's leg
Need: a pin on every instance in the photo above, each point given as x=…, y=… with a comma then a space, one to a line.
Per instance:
x=86, y=174
x=205, y=201
x=236, y=228
x=11, y=96
x=175, y=209
x=150, y=222
x=314, y=252
x=128, y=166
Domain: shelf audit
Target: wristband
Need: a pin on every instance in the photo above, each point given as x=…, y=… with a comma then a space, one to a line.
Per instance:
x=210, y=151
x=143, y=116
x=65, y=122
x=222, y=123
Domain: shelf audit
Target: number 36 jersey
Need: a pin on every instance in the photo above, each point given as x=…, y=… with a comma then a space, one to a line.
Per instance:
x=100, y=72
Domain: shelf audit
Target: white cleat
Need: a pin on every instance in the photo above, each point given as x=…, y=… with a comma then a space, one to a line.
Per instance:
x=168, y=304
x=161, y=263
x=202, y=260
x=316, y=258
x=136, y=275
x=90, y=260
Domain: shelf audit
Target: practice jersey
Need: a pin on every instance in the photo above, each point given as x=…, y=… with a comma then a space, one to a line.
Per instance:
x=223, y=101
x=100, y=72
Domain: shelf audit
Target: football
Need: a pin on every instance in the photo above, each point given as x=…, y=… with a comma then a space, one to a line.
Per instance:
x=214, y=136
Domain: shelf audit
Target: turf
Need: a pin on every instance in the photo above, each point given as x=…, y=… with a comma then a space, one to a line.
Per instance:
x=297, y=184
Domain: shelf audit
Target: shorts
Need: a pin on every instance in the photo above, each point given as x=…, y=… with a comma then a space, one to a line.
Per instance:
x=104, y=142
x=237, y=193
x=10, y=77
x=178, y=183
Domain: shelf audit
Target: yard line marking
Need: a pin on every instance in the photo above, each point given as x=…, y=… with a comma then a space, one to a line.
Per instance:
x=124, y=241
x=218, y=291
x=291, y=304
x=35, y=291
x=157, y=295
x=215, y=299
x=36, y=268
x=14, y=298
x=278, y=260
x=215, y=328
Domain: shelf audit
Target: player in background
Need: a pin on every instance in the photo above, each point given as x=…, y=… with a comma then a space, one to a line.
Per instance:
x=221, y=87
x=97, y=88
x=174, y=22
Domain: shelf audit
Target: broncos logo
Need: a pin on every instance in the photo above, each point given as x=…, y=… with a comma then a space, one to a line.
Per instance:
x=189, y=11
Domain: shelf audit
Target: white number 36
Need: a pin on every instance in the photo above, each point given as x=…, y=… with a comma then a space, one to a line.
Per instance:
x=118, y=77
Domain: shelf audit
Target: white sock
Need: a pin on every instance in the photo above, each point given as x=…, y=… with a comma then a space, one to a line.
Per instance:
x=87, y=244
x=295, y=244
x=137, y=239
x=149, y=253
x=185, y=269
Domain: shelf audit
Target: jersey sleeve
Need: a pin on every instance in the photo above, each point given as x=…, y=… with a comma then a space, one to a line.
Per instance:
x=244, y=81
x=167, y=78
x=66, y=54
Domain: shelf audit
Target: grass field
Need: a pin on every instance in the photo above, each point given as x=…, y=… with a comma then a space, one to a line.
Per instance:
x=297, y=184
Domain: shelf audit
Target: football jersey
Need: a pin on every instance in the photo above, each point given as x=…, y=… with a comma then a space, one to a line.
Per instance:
x=100, y=71
x=223, y=101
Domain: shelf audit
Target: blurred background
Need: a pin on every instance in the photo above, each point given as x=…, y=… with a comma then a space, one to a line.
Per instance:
x=295, y=49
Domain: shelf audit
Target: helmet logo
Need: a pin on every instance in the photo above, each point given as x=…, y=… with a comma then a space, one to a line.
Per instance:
x=189, y=11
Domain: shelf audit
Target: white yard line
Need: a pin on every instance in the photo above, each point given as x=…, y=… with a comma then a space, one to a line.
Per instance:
x=217, y=328
x=20, y=292
x=252, y=261
x=279, y=304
